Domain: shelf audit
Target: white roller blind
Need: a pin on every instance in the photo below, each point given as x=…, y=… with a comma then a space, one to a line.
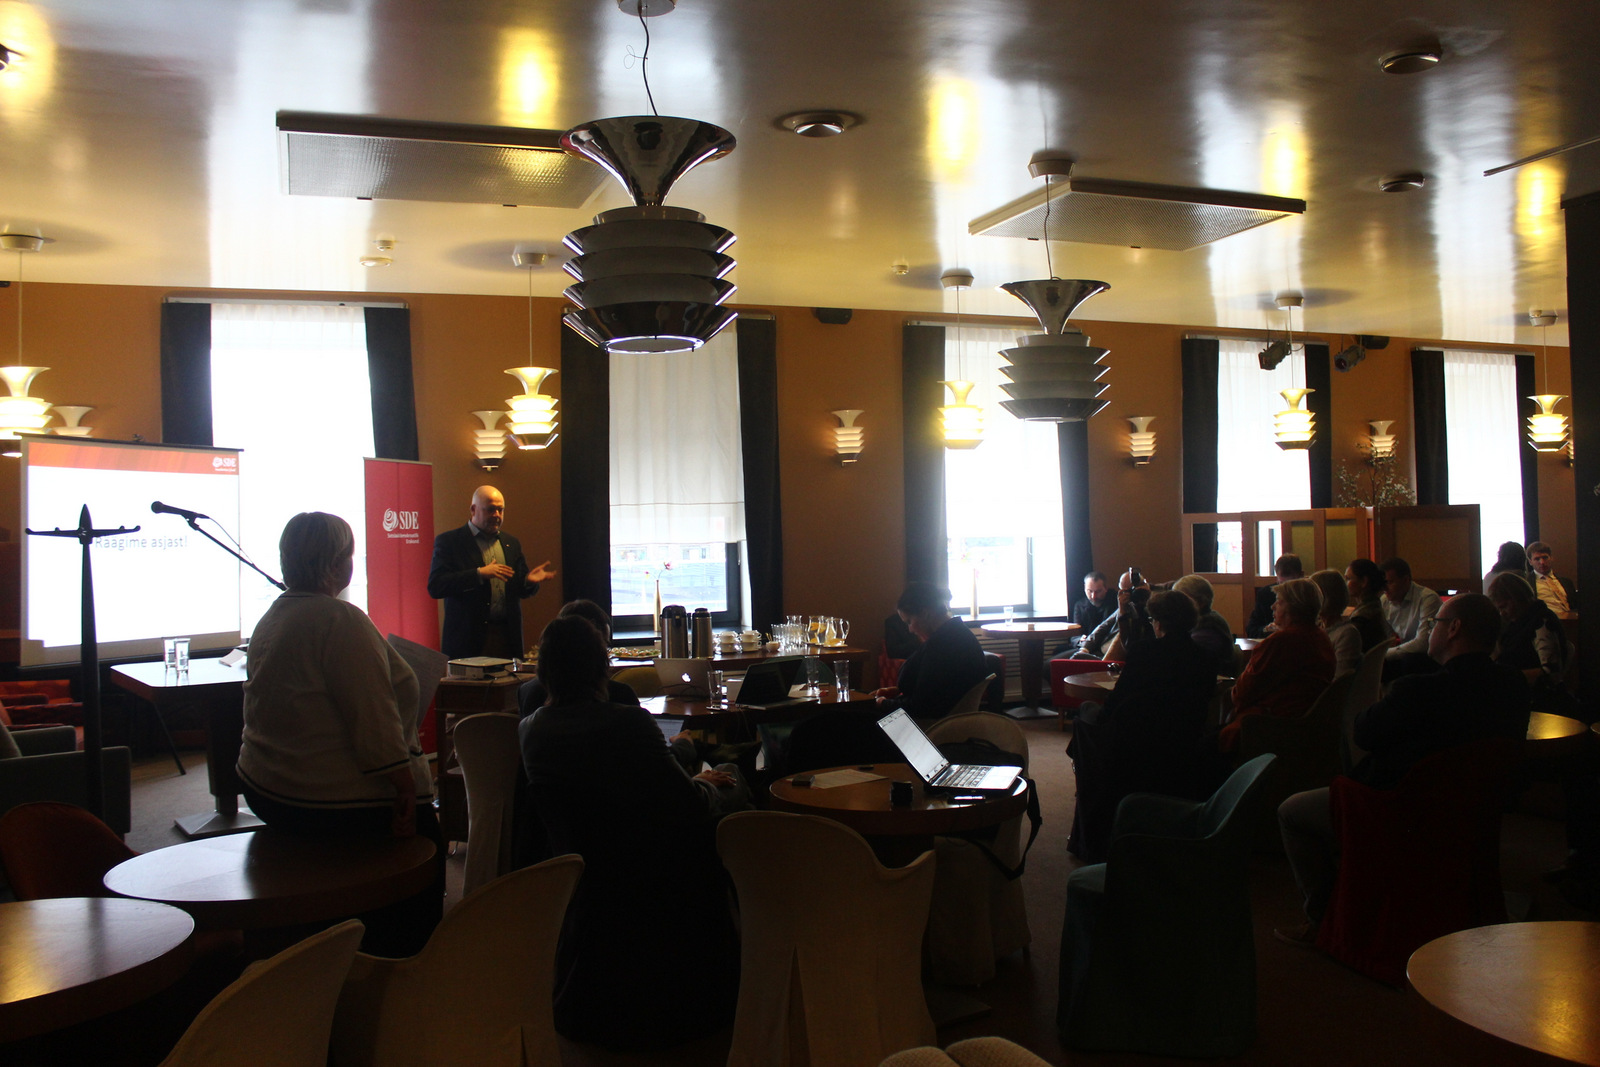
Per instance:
x=677, y=472
x=1482, y=442
x=1253, y=473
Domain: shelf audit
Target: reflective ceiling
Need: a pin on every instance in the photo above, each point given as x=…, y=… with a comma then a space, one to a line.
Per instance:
x=140, y=136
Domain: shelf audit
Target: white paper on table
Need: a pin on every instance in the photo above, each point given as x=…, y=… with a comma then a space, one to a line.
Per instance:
x=829, y=779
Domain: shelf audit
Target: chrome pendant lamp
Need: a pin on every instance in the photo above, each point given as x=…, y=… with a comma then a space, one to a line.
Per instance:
x=650, y=278
x=1055, y=375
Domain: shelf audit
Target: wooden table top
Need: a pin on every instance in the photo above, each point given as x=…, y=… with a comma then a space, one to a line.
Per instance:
x=265, y=879
x=1104, y=680
x=1532, y=985
x=687, y=708
x=151, y=680
x=865, y=808
x=66, y=960
x=1023, y=630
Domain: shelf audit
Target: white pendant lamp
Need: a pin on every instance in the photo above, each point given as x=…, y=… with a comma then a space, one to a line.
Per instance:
x=1547, y=427
x=533, y=414
x=961, y=421
x=1294, y=426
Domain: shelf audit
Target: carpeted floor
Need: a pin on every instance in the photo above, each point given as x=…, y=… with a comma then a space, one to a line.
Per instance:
x=1311, y=1010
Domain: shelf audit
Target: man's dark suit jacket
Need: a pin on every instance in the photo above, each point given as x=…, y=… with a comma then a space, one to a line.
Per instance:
x=453, y=577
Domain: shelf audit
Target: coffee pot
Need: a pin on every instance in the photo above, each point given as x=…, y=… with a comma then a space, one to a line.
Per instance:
x=701, y=642
x=674, y=632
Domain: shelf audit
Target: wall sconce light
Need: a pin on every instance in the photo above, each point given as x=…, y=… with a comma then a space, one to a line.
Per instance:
x=71, y=419
x=19, y=412
x=961, y=422
x=1381, y=440
x=533, y=414
x=1142, y=441
x=489, y=443
x=847, y=436
x=1294, y=426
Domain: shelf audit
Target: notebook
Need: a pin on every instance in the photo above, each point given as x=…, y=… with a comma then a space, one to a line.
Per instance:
x=684, y=677
x=767, y=683
x=936, y=772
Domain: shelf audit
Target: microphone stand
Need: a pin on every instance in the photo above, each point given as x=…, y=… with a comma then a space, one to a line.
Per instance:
x=194, y=524
x=89, y=660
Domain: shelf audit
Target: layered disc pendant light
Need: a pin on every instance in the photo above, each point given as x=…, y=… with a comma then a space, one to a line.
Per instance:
x=1547, y=428
x=960, y=420
x=532, y=413
x=1294, y=427
x=1055, y=376
x=650, y=278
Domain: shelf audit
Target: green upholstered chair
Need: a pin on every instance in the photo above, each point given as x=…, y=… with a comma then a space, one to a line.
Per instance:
x=1158, y=954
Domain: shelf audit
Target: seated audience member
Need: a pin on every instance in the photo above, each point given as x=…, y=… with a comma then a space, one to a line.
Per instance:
x=1509, y=558
x=1259, y=624
x=330, y=727
x=1290, y=668
x=1096, y=604
x=1148, y=736
x=1531, y=638
x=1410, y=610
x=1470, y=699
x=947, y=664
x=1125, y=627
x=1211, y=631
x=531, y=695
x=1341, y=631
x=898, y=640
x=607, y=788
x=1365, y=582
x=1559, y=593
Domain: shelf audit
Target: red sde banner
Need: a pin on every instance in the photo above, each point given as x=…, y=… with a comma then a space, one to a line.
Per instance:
x=399, y=549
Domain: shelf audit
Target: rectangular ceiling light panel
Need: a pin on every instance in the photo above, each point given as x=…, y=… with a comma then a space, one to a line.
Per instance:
x=382, y=159
x=1102, y=211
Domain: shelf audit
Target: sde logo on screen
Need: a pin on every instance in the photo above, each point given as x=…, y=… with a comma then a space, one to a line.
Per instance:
x=222, y=462
x=399, y=520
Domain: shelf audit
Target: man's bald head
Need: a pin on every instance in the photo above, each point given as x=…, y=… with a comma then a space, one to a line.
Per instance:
x=488, y=509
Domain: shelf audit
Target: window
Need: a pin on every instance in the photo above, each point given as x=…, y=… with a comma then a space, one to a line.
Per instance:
x=1003, y=498
x=1482, y=442
x=289, y=386
x=677, y=483
x=1253, y=473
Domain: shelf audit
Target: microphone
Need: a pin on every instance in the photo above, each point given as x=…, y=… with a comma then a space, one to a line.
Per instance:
x=167, y=509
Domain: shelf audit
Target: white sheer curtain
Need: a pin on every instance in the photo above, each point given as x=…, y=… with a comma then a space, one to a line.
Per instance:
x=677, y=468
x=289, y=385
x=1253, y=473
x=1482, y=442
x=1004, y=492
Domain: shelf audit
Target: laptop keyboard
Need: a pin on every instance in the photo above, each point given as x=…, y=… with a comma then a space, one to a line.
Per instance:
x=970, y=774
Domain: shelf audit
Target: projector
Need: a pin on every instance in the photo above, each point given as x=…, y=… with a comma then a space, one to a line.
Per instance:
x=476, y=668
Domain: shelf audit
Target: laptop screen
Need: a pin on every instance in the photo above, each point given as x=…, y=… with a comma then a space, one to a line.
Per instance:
x=913, y=744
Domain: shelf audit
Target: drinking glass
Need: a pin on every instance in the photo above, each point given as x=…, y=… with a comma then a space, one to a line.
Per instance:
x=181, y=653
x=169, y=653
x=1011, y=614
x=714, y=687
x=841, y=679
x=813, y=675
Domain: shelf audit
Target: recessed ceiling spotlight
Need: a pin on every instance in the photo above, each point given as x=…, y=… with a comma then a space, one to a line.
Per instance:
x=1413, y=60
x=819, y=123
x=1403, y=183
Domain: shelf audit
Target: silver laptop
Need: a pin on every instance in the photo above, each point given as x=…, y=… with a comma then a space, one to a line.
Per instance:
x=684, y=677
x=938, y=773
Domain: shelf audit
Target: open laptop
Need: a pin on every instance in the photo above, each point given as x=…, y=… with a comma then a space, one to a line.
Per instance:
x=767, y=683
x=684, y=677
x=669, y=725
x=937, y=773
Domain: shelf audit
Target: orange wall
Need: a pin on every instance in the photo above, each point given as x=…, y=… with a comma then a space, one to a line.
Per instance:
x=844, y=547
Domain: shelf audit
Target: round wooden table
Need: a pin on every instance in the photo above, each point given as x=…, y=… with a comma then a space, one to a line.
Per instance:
x=263, y=879
x=897, y=835
x=70, y=959
x=1093, y=686
x=1554, y=736
x=1516, y=993
x=1031, y=638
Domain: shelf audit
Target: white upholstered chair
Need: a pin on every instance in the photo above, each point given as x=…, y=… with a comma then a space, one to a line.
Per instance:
x=481, y=992
x=280, y=1011
x=832, y=944
x=486, y=747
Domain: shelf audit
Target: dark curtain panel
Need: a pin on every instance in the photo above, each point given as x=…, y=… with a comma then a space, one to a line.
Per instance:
x=1427, y=402
x=394, y=409
x=1072, y=439
x=922, y=369
x=1319, y=379
x=1583, y=282
x=585, y=471
x=763, y=499
x=1528, y=459
x=1199, y=357
x=186, y=374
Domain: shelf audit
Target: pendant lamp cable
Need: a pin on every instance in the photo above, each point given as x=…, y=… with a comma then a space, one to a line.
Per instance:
x=530, y=317
x=1048, y=264
x=961, y=341
x=644, y=61
x=19, y=309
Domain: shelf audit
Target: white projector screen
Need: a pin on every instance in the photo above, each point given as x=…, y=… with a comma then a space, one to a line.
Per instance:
x=164, y=581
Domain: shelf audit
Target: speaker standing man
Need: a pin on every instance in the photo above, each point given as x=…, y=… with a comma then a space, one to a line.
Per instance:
x=480, y=574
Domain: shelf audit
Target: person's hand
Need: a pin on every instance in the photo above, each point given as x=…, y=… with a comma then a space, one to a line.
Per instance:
x=1394, y=640
x=717, y=778
x=885, y=693
x=542, y=573
x=495, y=570
x=684, y=736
